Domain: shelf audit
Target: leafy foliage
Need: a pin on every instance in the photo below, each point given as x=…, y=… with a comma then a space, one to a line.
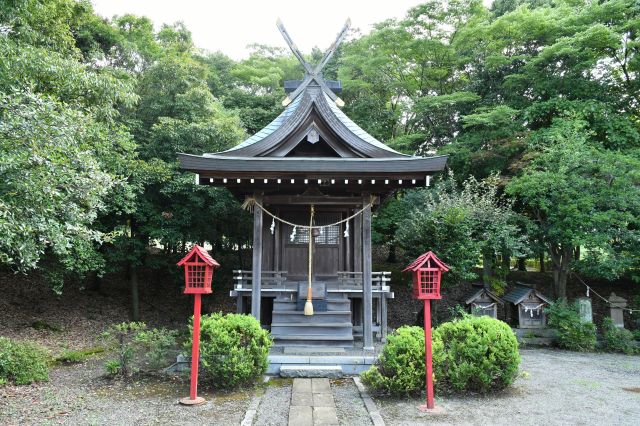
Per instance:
x=400, y=367
x=233, y=349
x=22, y=363
x=617, y=339
x=475, y=354
x=470, y=354
x=156, y=344
x=124, y=338
x=573, y=334
x=460, y=223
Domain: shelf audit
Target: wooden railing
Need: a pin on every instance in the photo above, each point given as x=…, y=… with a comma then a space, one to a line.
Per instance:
x=278, y=279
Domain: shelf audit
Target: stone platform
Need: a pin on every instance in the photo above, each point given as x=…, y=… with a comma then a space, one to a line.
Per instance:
x=320, y=362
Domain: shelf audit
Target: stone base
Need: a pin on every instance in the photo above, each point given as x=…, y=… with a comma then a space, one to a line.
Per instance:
x=435, y=410
x=328, y=371
x=188, y=401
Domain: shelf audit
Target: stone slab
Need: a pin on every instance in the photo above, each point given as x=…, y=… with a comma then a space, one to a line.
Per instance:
x=300, y=416
x=323, y=400
x=329, y=371
x=320, y=386
x=301, y=386
x=288, y=359
x=301, y=399
x=292, y=350
x=324, y=416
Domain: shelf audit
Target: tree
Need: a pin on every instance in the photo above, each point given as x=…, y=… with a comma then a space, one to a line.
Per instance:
x=460, y=223
x=64, y=155
x=583, y=196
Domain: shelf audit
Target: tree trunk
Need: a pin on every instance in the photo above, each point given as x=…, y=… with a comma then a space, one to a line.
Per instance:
x=561, y=256
x=506, y=262
x=391, y=258
x=487, y=265
x=133, y=286
x=542, y=262
x=522, y=264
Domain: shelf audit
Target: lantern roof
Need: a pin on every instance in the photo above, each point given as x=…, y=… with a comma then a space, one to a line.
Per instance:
x=424, y=258
x=202, y=254
x=521, y=292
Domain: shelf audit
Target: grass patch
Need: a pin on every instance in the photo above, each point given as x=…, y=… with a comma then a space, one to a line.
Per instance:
x=74, y=357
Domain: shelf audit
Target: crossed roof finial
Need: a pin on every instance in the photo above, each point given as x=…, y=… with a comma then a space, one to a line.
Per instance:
x=312, y=74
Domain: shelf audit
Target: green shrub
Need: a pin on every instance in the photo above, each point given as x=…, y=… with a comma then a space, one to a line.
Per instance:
x=400, y=367
x=233, y=349
x=22, y=362
x=123, y=337
x=157, y=344
x=476, y=354
x=573, y=334
x=617, y=339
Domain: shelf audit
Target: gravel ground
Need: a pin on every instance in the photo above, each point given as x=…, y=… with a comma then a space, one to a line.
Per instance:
x=274, y=407
x=556, y=388
x=349, y=405
x=80, y=395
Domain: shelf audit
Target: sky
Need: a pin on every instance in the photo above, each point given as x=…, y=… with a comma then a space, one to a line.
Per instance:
x=229, y=26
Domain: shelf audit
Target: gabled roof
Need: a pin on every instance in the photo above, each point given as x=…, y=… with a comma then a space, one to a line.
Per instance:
x=311, y=105
x=521, y=292
x=422, y=259
x=477, y=293
x=203, y=254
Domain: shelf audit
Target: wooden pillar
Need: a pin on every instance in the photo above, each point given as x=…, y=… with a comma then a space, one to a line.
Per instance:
x=256, y=280
x=383, y=326
x=366, y=276
x=357, y=243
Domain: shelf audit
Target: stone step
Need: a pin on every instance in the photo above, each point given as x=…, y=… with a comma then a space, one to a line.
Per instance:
x=284, y=305
x=329, y=329
x=328, y=371
x=281, y=317
x=305, y=350
x=307, y=340
x=338, y=305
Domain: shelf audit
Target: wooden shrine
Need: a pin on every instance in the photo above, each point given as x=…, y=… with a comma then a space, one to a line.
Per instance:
x=312, y=154
x=530, y=305
x=482, y=301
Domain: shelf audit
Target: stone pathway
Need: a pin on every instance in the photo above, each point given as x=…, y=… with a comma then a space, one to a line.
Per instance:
x=312, y=403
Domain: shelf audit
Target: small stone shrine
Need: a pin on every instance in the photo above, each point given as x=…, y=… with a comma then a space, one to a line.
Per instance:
x=529, y=303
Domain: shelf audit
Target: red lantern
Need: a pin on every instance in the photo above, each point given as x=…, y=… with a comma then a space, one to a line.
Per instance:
x=198, y=274
x=427, y=272
x=198, y=271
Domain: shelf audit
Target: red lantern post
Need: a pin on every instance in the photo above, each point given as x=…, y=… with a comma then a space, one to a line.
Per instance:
x=427, y=273
x=198, y=274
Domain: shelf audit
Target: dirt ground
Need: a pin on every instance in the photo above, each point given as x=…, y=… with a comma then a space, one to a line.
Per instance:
x=555, y=388
x=81, y=395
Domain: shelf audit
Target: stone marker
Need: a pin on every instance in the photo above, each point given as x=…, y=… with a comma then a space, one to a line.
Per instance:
x=617, y=304
x=586, y=313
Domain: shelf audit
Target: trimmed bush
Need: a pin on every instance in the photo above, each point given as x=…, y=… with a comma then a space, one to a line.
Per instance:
x=474, y=354
x=400, y=367
x=573, y=334
x=617, y=339
x=233, y=349
x=22, y=363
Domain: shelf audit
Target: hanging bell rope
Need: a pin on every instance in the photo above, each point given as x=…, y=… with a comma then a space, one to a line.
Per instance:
x=308, y=306
x=250, y=202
